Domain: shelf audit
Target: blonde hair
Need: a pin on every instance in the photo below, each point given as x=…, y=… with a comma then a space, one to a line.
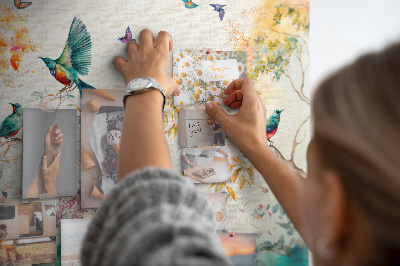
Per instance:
x=356, y=115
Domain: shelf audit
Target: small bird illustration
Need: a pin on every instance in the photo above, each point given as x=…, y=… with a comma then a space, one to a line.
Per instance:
x=128, y=36
x=189, y=4
x=13, y=123
x=75, y=58
x=272, y=124
x=219, y=8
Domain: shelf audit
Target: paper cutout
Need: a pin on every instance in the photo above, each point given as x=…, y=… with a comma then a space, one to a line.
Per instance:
x=98, y=181
x=240, y=248
x=39, y=142
x=206, y=165
x=72, y=234
x=198, y=128
x=29, y=235
x=204, y=76
x=218, y=201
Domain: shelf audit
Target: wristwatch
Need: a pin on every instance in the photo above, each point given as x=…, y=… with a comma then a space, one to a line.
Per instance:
x=142, y=85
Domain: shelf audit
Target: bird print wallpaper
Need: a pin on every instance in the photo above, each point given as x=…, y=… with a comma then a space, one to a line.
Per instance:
x=51, y=51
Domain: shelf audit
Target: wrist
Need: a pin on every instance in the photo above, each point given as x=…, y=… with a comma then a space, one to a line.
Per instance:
x=150, y=99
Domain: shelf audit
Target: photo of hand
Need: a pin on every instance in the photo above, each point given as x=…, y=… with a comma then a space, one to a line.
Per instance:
x=44, y=182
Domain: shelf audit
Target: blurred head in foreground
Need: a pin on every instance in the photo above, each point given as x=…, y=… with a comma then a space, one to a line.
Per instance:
x=352, y=194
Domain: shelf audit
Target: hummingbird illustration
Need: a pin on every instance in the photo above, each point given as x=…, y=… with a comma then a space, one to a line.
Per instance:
x=220, y=10
x=13, y=123
x=128, y=36
x=75, y=58
x=272, y=124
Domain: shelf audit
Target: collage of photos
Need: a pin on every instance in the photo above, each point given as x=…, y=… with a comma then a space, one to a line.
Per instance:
x=28, y=233
x=49, y=153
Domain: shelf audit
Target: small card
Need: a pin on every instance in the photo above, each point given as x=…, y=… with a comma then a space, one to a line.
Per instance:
x=204, y=76
x=197, y=128
x=206, y=164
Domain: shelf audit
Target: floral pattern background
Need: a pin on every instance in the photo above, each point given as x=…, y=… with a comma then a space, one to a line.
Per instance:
x=274, y=35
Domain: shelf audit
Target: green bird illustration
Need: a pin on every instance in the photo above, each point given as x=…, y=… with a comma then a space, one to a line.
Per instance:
x=75, y=58
x=13, y=123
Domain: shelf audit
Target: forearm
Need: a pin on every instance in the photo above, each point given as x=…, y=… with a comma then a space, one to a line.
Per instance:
x=143, y=142
x=36, y=188
x=283, y=182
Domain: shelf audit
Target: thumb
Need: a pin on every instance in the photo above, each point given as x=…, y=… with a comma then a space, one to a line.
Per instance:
x=217, y=113
x=44, y=163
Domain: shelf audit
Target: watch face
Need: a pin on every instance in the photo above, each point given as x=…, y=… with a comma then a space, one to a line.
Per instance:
x=141, y=83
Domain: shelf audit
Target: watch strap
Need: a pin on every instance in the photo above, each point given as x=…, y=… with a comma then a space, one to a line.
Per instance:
x=154, y=86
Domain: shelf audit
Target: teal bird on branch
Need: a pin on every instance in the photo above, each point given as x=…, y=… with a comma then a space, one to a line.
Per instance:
x=75, y=58
x=13, y=123
x=272, y=124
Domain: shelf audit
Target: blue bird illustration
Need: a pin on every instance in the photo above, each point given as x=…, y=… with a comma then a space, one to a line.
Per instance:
x=189, y=4
x=219, y=8
x=272, y=124
x=13, y=123
x=75, y=58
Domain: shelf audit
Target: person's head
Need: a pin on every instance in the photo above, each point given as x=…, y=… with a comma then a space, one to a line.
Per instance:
x=3, y=226
x=351, y=197
x=210, y=121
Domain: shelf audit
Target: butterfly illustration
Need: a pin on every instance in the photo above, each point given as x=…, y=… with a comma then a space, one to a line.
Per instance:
x=190, y=4
x=21, y=5
x=128, y=36
x=219, y=8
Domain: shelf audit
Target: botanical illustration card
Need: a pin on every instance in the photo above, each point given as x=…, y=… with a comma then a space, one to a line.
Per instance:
x=197, y=128
x=206, y=164
x=203, y=75
x=102, y=116
x=49, y=153
x=218, y=201
x=239, y=247
x=28, y=233
x=72, y=234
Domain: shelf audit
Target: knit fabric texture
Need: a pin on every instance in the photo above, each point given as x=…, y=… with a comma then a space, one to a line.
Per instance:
x=153, y=217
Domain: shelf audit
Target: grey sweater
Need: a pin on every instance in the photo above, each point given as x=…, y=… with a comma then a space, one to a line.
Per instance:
x=153, y=217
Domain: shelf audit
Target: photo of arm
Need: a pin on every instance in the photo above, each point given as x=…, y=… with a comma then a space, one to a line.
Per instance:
x=44, y=182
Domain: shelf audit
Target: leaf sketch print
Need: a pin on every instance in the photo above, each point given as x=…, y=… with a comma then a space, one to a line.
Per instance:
x=270, y=50
x=14, y=44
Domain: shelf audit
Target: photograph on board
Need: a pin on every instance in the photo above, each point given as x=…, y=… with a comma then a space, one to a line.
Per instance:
x=102, y=115
x=204, y=74
x=28, y=233
x=218, y=201
x=197, y=128
x=240, y=248
x=49, y=153
x=72, y=234
x=206, y=164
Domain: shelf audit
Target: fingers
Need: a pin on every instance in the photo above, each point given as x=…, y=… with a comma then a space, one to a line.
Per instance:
x=131, y=49
x=146, y=40
x=59, y=136
x=164, y=41
x=217, y=112
x=235, y=99
x=119, y=63
x=177, y=92
x=245, y=85
x=55, y=127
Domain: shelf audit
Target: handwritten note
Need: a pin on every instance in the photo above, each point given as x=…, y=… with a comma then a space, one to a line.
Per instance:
x=219, y=70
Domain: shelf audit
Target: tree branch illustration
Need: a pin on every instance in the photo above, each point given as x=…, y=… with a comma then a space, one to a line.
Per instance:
x=10, y=143
x=290, y=162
